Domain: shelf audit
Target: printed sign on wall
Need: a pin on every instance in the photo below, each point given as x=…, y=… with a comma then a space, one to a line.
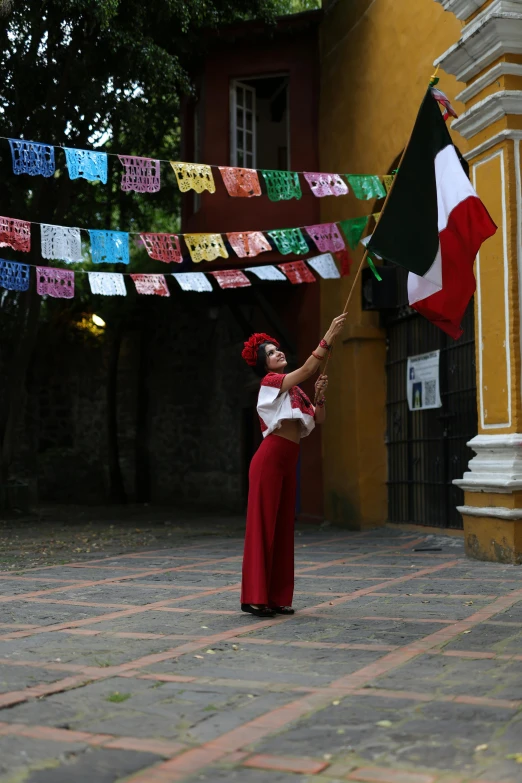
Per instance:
x=422, y=381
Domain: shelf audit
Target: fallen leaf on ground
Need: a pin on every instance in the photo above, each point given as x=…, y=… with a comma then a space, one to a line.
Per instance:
x=385, y=724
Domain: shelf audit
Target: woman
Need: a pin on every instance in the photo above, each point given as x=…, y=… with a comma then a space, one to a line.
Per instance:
x=286, y=415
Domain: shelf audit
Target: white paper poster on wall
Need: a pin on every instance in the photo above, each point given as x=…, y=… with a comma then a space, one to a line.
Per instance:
x=422, y=381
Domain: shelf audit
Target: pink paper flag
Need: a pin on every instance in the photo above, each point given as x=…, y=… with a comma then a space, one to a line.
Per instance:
x=326, y=237
x=231, y=278
x=151, y=284
x=58, y=283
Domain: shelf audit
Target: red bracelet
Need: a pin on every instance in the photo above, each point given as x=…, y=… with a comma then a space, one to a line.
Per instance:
x=324, y=344
x=319, y=358
x=320, y=403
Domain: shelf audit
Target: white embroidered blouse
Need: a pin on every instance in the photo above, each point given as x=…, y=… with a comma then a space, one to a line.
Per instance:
x=274, y=406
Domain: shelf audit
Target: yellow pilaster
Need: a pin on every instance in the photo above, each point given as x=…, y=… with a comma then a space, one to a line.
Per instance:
x=487, y=57
x=376, y=60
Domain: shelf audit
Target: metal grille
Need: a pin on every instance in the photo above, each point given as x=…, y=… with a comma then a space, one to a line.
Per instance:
x=427, y=449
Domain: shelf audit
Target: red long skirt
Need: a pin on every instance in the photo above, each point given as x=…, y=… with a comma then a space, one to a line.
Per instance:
x=268, y=560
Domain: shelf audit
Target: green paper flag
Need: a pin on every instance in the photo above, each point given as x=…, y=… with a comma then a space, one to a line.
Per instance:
x=366, y=186
x=372, y=267
x=281, y=185
x=353, y=229
x=289, y=240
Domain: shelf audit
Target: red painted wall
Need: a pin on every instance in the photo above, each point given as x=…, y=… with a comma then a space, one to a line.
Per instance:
x=247, y=52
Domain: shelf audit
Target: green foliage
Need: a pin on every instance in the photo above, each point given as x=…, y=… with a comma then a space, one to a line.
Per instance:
x=102, y=73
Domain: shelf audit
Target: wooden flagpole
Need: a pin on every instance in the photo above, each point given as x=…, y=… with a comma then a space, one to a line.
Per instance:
x=433, y=81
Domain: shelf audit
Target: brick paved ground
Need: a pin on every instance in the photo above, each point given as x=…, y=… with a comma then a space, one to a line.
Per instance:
x=400, y=667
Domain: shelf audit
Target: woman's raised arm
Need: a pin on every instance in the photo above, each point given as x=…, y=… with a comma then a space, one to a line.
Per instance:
x=314, y=361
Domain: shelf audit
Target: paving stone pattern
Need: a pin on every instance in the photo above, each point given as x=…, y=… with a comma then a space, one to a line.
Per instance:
x=398, y=667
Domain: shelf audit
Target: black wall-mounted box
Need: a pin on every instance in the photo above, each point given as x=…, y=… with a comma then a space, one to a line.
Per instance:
x=379, y=295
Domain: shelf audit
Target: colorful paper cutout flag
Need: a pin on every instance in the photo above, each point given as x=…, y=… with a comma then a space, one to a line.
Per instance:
x=15, y=234
x=345, y=261
x=163, y=247
x=195, y=176
x=109, y=247
x=326, y=237
x=205, y=247
x=32, y=158
x=193, y=281
x=325, y=266
x=61, y=243
x=388, y=181
x=281, y=185
x=326, y=184
x=107, y=283
x=353, y=229
x=267, y=272
x=14, y=276
x=86, y=164
x=297, y=272
x=289, y=240
x=366, y=186
x=231, y=278
x=58, y=283
x=247, y=244
x=242, y=183
x=151, y=284
x=142, y=175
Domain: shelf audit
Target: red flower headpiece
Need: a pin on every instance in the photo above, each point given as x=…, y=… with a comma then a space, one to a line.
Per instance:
x=249, y=352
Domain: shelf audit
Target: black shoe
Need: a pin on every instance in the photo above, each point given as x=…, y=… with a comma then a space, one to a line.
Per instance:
x=261, y=611
x=283, y=609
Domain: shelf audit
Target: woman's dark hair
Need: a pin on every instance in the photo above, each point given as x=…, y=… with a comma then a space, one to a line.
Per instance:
x=260, y=368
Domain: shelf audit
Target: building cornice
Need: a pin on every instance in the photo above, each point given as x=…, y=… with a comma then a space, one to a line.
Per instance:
x=488, y=37
x=494, y=73
x=498, y=138
x=487, y=111
x=462, y=9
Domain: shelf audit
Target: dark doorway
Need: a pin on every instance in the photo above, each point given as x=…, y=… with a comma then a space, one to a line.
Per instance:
x=427, y=449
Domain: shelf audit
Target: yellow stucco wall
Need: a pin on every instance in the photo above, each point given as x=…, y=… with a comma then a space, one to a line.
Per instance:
x=376, y=61
x=497, y=319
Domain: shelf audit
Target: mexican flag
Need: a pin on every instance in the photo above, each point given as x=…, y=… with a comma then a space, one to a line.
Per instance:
x=434, y=223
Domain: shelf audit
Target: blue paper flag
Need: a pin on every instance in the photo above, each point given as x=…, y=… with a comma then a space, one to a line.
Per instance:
x=86, y=164
x=30, y=157
x=14, y=276
x=109, y=247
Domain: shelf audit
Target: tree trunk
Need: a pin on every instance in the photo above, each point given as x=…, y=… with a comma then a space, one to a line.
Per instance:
x=116, y=487
x=142, y=464
x=17, y=378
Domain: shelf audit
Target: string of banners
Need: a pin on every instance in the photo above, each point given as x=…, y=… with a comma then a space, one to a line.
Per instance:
x=59, y=283
x=143, y=175
x=63, y=243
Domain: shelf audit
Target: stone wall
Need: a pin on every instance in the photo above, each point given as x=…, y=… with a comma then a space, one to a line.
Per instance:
x=182, y=423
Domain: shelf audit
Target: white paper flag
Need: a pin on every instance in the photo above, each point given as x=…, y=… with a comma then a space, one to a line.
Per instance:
x=266, y=272
x=325, y=266
x=107, y=283
x=61, y=243
x=193, y=281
